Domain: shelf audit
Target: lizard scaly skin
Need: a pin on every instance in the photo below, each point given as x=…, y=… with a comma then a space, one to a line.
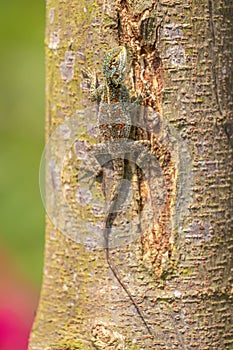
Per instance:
x=114, y=123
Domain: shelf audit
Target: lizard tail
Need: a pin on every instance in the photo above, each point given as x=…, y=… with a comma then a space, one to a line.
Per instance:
x=114, y=271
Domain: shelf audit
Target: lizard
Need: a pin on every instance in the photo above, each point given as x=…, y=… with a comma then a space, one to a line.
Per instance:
x=113, y=122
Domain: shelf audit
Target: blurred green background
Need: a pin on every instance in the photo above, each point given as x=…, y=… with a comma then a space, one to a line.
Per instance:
x=22, y=25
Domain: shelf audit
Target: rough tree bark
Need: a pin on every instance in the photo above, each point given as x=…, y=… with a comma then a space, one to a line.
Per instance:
x=180, y=269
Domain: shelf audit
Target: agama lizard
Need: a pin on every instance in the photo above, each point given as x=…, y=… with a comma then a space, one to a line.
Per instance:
x=114, y=123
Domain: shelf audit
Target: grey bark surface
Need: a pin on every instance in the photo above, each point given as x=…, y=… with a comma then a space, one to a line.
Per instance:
x=180, y=269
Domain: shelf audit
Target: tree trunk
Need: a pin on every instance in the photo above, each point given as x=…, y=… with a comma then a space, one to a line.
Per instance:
x=177, y=266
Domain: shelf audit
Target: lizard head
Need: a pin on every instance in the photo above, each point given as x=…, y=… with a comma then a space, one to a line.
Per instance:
x=115, y=65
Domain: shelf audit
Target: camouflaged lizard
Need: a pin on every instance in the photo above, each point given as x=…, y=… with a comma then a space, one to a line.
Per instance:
x=114, y=123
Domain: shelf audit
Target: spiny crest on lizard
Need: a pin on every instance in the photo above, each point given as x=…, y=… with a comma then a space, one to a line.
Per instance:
x=113, y=118
x=114, y=65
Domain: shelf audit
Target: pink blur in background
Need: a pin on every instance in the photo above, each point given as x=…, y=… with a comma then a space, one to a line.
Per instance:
x=18, y=301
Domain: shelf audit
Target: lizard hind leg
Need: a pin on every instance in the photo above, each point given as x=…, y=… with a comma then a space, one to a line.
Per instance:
x=89, y=170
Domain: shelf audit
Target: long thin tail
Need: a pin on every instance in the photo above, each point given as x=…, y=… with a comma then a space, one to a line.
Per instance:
x=127, y=291
x=119, y=199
